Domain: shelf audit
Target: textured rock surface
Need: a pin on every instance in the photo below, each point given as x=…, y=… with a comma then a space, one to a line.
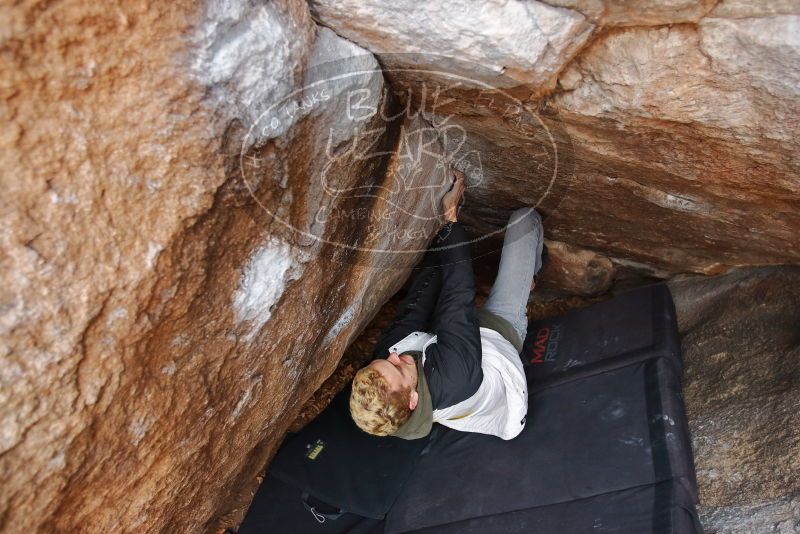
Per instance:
x=741, y=347
x=501, y=42
x=638, y=12
x=576, y=271
x=160, y=329
x=681, y=139
x=674, y=144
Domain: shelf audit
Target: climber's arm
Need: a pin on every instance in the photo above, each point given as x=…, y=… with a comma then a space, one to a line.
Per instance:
x=453, y=363
x=416, y=310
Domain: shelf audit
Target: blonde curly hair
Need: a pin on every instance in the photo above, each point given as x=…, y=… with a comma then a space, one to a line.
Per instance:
x=374, y=406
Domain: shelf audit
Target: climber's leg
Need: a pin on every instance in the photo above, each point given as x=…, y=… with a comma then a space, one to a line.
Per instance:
x=520, y=261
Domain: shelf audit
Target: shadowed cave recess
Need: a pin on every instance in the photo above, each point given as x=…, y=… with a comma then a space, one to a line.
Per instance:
x=212, y=210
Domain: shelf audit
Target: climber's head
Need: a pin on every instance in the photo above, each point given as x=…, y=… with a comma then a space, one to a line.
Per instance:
x=384, y=394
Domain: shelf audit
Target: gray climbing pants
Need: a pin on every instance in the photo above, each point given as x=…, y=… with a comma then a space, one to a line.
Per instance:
x=521, y=259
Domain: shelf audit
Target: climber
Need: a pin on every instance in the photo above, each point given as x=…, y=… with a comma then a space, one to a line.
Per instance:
x=467, y=375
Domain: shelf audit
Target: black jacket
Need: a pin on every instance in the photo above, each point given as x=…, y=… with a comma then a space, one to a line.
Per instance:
x=441, y=300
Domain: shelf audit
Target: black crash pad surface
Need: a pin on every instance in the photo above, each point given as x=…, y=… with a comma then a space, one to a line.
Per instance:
x=278, y=509
x=588, y=437
x=636, y=325
x=629, y=511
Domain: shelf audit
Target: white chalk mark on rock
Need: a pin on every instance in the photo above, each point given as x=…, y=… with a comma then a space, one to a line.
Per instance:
x=153, y=250
x=342, y=322
x=249, y=55
x=246, y=397
x=169, y=369
x=263, y=281
x=138, y=429
x=118, y=313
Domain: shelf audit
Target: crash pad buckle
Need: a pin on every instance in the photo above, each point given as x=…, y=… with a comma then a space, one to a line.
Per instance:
x=319, y=517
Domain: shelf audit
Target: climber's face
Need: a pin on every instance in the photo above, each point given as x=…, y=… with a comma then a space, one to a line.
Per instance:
x=399, y=371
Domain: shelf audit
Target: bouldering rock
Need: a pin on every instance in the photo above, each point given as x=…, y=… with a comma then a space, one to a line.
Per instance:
x=707, y=113
x=670, y=145
x=575, y=271
x=501, y=43
x=165, y=305
x=741, y=348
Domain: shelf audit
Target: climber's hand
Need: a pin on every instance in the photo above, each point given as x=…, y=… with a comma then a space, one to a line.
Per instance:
x=452, y=198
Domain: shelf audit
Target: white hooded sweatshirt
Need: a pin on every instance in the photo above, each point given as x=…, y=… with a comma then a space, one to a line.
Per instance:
x=500, y=404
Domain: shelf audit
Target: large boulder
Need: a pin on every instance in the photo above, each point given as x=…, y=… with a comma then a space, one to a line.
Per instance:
x=663, y=134
x=499, y=43
x=179, y=271
x=741, y=349
x=573, y=271
x=682, y=138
